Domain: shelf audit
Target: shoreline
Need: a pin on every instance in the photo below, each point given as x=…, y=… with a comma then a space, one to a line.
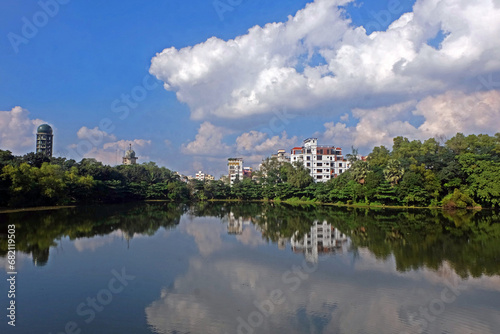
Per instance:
x=361, y=205
x=36, y=208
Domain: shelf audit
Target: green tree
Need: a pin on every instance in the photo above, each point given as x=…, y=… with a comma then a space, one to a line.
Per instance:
x=393, y=172
x=35, y=159
x=379, y=156
x=359, y=170
x=482, y=178
x=297, y=175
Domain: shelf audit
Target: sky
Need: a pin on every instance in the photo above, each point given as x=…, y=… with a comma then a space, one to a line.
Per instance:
x=192, y=83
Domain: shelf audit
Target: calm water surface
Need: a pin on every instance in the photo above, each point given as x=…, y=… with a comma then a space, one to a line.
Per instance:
x=253, y=268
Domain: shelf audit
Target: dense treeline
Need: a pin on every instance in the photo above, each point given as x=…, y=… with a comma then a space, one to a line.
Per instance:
x=462, y=172
x=468, y=240
x=34, y=180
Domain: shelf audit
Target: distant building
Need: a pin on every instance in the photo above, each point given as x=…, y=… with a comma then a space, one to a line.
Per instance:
x=224, y=179
x=247, y=172
x=44, y=140
x=281, y=156
x=130, y=158
x=323, y=162
x=235, y=169
x=200, y=176
x=323, y=238
x=182, y=178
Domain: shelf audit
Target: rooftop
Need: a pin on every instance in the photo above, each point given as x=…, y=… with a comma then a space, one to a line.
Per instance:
x=44, y=128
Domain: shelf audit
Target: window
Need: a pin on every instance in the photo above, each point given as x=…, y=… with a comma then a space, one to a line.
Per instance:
x=326, y=164
x=320, y=157
x=340, y=164
x=319, y=177
x=308, y=164
x=320, y=171
x=308, y=151
x=308, y=158
x=340, y=171
x=319, y=164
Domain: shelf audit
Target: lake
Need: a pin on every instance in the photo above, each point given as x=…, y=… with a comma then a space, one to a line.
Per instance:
x=252, y=268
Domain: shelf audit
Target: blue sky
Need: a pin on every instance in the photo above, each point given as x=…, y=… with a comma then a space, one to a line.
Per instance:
x=86, y=57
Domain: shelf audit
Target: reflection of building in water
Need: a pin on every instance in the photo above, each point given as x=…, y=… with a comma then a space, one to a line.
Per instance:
x=282, y=242
x=235, y=225
x=323, y=238
x=40, y=256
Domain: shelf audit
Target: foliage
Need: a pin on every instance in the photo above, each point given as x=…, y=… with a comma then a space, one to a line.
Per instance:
x=458, y=200
x=465, y=169
x=468, y=241
x=61, y=182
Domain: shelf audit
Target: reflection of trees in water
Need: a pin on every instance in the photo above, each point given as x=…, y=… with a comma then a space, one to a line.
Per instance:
x=37, y=231
x=468, y=240
x=40, y=256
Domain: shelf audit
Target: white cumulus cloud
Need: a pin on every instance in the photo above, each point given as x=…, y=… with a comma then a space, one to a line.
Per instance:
x=98, y=144
x=18, y=131
x=208, y=141
x=444, y=115
x=270, y=67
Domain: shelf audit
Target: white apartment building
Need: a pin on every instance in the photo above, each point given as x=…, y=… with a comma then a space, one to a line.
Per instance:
x=235, y=169
x=324, y=162
x=200, y=176
x=323, y=238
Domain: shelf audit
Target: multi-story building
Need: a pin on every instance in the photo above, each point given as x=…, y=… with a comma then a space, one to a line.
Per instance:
x=235, y=169
x=281, y=156
x=44, y=140
x=200, y=176
x=322, y=239
x=323, y=162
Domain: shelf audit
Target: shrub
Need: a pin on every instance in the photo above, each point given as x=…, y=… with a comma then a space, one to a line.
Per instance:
x=458, y=200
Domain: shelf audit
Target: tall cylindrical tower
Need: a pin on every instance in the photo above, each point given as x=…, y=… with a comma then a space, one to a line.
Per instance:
x=44, y=140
